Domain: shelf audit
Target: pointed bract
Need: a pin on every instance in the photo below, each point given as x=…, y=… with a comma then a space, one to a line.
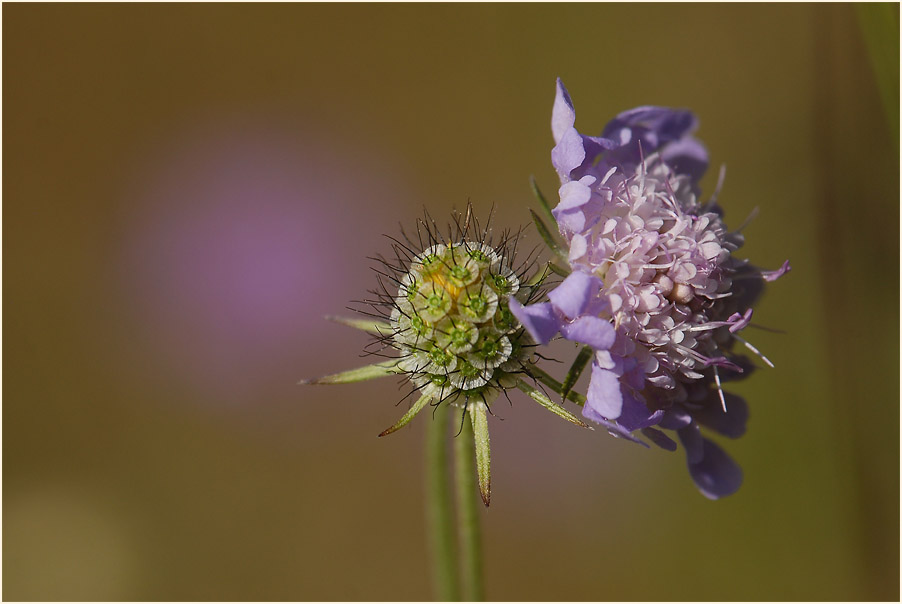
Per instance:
x=361, y=374
x=546, y=236
x=380, y=328
x=541, y=398
x=478, y=411
x=543, y=201
x=411, y=413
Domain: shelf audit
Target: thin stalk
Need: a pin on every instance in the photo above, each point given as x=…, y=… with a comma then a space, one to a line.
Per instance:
x=468, y=504
x=549, y=381
x=438, y=508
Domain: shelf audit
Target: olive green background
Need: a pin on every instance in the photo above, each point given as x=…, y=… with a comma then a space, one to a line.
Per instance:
x=155, y=445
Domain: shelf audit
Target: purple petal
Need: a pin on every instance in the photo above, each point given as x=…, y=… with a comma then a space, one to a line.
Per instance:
x=645, y=130
x=604, y=359
x=693, y=442
x=579, y=220
x=574, y=194
x=578, y=247
x=660, y=439
x=636, y=415
x=686, y=156
x=574, y=293
x=618, y=431
x=604, y=396
x=716, y=475
x=674, y=419
x=614, y=429
x=730, y=424
x=571, y=150
x=653, y=125
x=570, y=222
x=595, y=145
x=632, y=374
x=562, y=114
x=538, y=319
x=591, y=331
x=568, y=154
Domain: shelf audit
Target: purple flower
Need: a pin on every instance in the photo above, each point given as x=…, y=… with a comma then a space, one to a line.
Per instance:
x=655, y=288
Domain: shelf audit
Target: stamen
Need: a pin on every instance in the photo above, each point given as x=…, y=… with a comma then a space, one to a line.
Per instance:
x=721, y=177
x=723, y=401
x=752, y=215
x=774, y=275
x=755, y=350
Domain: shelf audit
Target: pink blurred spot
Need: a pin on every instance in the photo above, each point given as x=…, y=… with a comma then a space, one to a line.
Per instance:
x=236, y=247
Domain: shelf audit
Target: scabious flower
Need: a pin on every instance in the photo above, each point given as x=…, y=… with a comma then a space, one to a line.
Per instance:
x=442, y=313
x=655, y=289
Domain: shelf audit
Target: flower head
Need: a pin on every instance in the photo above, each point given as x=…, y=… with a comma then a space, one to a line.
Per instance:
x=451, y=324
x=655, y=289
x=443, y=311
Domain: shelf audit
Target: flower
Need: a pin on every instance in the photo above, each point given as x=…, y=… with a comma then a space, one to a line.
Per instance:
x=655, y=289
x=443, y=305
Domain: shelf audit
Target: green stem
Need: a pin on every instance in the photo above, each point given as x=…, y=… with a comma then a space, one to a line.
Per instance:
x=549, y=381
x=438, y=507
x=468, y=504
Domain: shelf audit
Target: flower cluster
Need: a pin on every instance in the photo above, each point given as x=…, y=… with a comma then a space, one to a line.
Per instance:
x=655, y=289
x=451, y=323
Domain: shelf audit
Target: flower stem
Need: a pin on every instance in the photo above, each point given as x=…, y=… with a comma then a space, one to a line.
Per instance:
x=438, y=507
x=468, y=503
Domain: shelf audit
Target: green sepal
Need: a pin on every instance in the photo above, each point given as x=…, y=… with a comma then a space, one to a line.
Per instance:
x=557, y=269
x=539, y=397
x=543, y=203
x=380, y=328
x=478, y=411
x=546, y=235
x=576, y=369
x=360, y=374
x=416, y=408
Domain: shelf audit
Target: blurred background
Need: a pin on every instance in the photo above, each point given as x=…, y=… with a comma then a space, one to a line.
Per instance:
x=189, y=189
